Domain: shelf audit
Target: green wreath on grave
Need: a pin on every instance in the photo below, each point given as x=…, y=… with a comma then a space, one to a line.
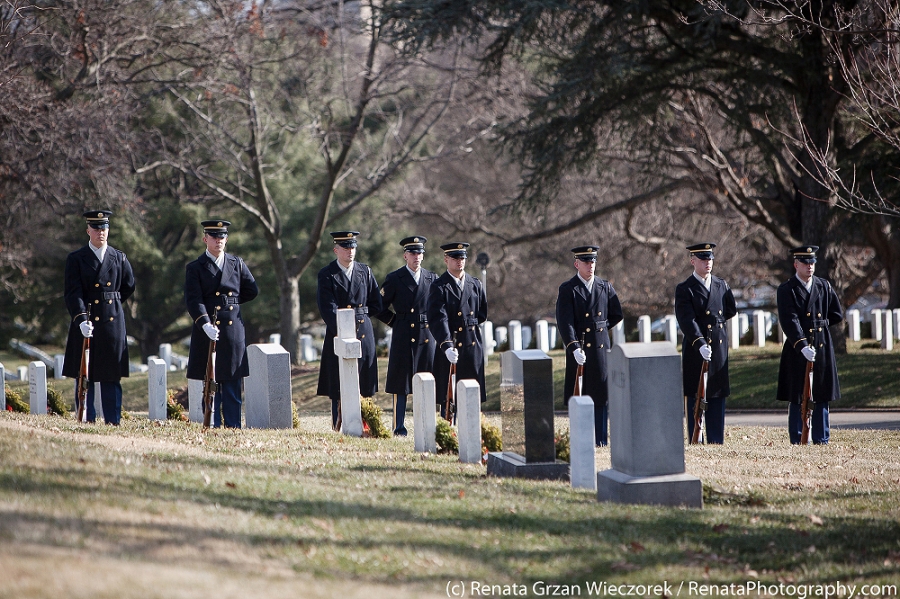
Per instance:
x=373, y=425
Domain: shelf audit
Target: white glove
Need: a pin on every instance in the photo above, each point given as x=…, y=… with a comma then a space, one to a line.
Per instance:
x=809, y=353
x=706, y=352
x=87, y=329
x=452, y=355
x=211, y=331
x=580, y=356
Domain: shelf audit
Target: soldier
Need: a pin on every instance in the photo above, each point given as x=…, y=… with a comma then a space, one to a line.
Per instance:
x=412, y=344
x=807, y=306
x=215, y=286
x=586, y=307
x=98, y=279
x=457, y=306
x=346, y=283
x=703, y=303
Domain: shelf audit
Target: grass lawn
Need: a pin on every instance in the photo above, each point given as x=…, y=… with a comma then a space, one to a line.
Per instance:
x=164, y=510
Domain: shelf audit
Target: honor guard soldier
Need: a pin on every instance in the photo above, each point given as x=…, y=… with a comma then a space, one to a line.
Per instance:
x=703, y=303
x=457, y=306
x=807, y=306
x=346, y=283
x=586, y=307
x=215, y=286
x=412, y=344
x=98, y=279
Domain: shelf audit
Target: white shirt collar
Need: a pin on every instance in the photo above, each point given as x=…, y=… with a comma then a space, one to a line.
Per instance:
x=707, y=282
x=588, y=284
x=415, y=274
x=347, y=271
x=459, y=282
x=220, y=261
x=99, y=252
x=806, y=284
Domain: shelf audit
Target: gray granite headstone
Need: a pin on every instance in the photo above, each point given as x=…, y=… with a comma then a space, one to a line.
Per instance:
x=853, y=321
x=2, y=387
x=526, y=412
x=646, y=417
x=515, y=335
x=268, y=388
x=58, y=361
x=156, y=389
x=644, y=333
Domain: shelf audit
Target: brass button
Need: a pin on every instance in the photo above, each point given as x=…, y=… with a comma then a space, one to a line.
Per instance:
x=810, y=330
x=231, y=307
x=601, y=329
x=460, y=328
x=588, y=344
x=808, y=314
x=360, y=305
x=820, y=315
x=707, y=311
x=96, y=284
x=362, y=337
x=108, y=283
x=111, y=318
x=96, y=301
x=110, y=301
x=820, y=329
x=471, y=313
x=720, y=311
x=473, y=343
x=217, y=293
x=588, y=329
x=821, y=345
x=426, y=341
x=587, y=315
x=347, y=306
x=413, y=340
x=720, y=342
x=232, y=322
x=601, y=346
x=412, y=310
x=229, y=294
x=459, y=344
x=218, y=307
x=599, y=313
x=412, y=325
x=459, y=313
x=709, y=326
x=97, y=319
x=426, y=326
x=217, y=322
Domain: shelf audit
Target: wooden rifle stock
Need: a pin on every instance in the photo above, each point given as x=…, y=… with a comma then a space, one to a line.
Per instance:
x=83, y=380
x=450, y=407
x=209, y=385
x=579, y=373
x=700, y=403
x=806, y=407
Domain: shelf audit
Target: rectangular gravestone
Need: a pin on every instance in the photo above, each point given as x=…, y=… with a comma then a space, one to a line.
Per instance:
x=58, y=361
x=275, y=338
x=543, y=335
x=37, y=387
x=22, y=373
x=644, y=334
x=759, y=328
x=887, y=330
x=853, y=322
x=2, y=387
x=875, y=320
x=156, y=388
x=515, y=335
x=526, y=337
x=268, y=388
x=195, y=400
x=733, y=328
x=424, y=414
x=468, y=420
x=307, y=351
x=348, y=350
x=526, y=411
x=487, y=333
x=165, y=354
x=583, y=466
x=501, y=336
x=646, y=417
x=671, y=328
x=618, y=333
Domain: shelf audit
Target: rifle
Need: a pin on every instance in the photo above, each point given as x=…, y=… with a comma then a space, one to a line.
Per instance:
x=209, y=385
x=340, y=418
x=579, y=373
x=450, y=406
x=806, y=404
x=83, y=382
x=700, y=404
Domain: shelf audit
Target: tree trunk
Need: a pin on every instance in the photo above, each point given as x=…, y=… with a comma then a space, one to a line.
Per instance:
x=289, y=310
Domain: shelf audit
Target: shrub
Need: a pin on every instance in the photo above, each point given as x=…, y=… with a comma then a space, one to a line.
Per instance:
x=55, y=402
x=445, y=437
x=562, y=446
x=490, y=436
x=174, y=410
x=15, y=403
x=371, y=417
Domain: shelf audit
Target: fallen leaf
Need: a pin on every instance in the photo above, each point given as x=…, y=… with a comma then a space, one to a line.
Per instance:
x=462, y=494
x=230, y=485
x=816, y=520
